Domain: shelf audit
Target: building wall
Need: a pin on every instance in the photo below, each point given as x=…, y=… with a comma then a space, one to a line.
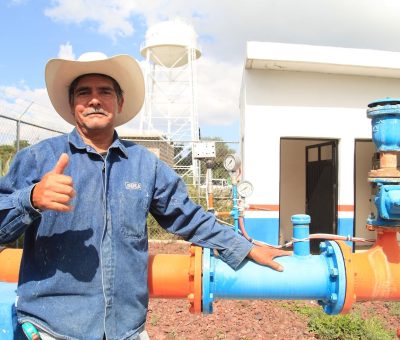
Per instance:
x=164, y=150
x=292, y=182
x=290, y=104
x=363, y=204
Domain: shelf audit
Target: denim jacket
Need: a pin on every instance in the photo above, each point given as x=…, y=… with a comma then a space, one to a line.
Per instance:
x=84, y=273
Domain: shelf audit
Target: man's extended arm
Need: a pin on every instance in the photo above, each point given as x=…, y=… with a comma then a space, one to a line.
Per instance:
x=175, y=212
x=16, y=210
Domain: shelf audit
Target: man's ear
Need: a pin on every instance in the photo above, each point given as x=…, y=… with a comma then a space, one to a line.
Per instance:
x=120, y=104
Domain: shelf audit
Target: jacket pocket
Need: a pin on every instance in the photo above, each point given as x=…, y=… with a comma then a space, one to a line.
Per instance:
x=133, y=211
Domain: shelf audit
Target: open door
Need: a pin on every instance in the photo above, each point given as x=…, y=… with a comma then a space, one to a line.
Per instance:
x=321, y=189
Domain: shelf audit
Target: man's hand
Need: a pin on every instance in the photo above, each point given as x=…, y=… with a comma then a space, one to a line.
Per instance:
x=262, y=254
x=55, y=190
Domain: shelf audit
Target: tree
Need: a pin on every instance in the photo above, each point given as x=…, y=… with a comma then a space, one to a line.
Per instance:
x=7, y=153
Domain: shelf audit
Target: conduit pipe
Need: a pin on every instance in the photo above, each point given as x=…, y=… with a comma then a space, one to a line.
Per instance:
x=177, y=276
x=174, y=276
x=312, y=277
x=10, y=260
x=336, y=277
x=375, y=273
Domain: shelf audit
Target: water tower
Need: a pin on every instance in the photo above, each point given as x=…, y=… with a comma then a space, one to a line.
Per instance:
x=170, y=106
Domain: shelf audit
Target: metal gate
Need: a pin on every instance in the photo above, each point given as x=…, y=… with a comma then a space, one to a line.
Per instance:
x=321, y=188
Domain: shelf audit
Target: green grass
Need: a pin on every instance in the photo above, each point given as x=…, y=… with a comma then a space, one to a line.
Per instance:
x=340, y=327
x=394, y=308
x=155, y=232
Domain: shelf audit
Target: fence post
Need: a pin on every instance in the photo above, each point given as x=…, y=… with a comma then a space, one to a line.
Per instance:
x=18, y=134
x=19, y=124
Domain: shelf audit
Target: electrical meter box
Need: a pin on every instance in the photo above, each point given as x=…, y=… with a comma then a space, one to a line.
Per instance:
x=202, y=150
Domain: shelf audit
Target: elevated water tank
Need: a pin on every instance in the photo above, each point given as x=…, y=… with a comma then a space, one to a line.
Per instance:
x=167, y=43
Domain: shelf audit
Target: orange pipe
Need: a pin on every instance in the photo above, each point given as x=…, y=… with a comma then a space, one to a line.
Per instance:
x=210, y=199
x=223, y=213
x=169, y=275
x=177, y=276
x=370, y=275
x=265, y=207
x=373, y=274
x=10, y=260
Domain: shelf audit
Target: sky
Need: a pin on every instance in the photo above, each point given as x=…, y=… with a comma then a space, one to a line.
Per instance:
x=34, y=31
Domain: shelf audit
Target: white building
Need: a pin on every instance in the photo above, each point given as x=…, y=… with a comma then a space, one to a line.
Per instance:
x=305, y=137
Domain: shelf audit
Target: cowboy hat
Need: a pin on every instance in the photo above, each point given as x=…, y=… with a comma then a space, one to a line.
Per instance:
x=60, y=73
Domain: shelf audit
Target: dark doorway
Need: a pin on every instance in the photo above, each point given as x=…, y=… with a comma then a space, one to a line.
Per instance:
x=321, y=189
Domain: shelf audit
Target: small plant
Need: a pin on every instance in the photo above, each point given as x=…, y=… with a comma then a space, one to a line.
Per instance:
x=155, y=232
x=220, y=334
x=350, y=326
x=394, y=308
x=172, y=335
x=154, y=319
x=340, y=327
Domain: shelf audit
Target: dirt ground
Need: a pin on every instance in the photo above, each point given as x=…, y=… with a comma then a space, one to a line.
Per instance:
x=236, y=319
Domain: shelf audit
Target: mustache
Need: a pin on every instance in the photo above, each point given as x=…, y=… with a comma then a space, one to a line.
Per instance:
x=95, y=111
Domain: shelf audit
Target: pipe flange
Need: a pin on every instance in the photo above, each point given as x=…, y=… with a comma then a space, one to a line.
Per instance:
x=384, y=101
x=377, y=227
x=334, y=303
x=195, y=273
x=382, y=180
x=373, y=223
x=383, y=106
x=350, y=298
x=208, y=281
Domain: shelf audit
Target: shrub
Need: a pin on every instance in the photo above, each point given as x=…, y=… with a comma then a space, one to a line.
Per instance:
x=340, y=327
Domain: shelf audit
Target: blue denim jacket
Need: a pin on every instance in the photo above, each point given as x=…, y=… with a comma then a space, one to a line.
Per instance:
x=84, y=272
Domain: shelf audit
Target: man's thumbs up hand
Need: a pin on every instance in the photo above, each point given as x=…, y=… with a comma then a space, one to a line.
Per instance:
x=62, y=163
x=55, y=190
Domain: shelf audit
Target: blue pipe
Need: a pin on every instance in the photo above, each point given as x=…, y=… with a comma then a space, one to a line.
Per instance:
x=306, y=277
x=235, y=208
x=385, y=121
x=301, y=231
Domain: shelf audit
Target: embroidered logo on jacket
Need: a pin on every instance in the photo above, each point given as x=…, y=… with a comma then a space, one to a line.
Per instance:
x=133, y=186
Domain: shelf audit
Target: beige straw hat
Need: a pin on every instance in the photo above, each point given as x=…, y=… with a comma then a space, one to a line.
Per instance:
x=124, y=69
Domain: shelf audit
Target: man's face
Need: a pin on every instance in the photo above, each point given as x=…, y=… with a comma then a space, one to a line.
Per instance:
x=95, y=104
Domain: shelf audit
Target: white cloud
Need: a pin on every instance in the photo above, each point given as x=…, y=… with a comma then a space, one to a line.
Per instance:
x=31, y=105
x=112, y=18
x=66, y=52
x=218, y=91
x=224, y=26
x=218, y=88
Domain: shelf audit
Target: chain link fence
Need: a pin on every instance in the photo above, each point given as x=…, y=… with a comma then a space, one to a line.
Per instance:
x=194, y=173
x=16, y=134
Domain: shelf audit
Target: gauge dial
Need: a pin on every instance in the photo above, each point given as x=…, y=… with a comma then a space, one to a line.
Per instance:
x=232, y=162
x=245, y=189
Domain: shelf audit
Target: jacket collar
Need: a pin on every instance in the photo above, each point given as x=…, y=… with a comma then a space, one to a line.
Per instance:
x=75, y=139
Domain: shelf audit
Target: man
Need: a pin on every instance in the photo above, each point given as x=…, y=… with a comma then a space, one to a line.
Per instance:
x=82, y=201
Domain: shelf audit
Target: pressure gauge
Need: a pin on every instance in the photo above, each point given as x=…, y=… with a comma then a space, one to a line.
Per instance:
x=245, y=189
x=232, y=162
